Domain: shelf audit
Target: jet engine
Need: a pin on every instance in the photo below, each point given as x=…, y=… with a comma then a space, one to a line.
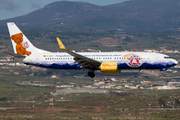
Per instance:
x=109, y=68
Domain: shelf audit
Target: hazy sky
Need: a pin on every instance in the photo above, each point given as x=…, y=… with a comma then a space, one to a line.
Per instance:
x=14, y=8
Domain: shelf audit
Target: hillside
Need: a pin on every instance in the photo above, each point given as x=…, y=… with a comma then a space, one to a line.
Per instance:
x=133, y=15
x=63, y=14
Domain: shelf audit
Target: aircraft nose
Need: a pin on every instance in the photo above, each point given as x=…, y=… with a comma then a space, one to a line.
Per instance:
x=175, y=62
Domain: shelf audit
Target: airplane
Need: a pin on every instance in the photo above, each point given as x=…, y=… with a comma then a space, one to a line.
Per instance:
x=106, y=62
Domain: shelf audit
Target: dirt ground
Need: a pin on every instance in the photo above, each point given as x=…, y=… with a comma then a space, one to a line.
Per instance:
x=70, y=113
x=84, y=113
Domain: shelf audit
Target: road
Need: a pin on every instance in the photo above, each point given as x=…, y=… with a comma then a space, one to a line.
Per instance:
x=154, y=109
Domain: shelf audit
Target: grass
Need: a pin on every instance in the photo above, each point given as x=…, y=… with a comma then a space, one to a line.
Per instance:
x=11, y=91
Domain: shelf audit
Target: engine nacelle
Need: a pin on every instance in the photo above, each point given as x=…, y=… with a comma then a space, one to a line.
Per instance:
x=163, y=69
x=109, y=68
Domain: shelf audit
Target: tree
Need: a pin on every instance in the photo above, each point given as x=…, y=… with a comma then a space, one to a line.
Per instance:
x=177, y=101
x=162, y=102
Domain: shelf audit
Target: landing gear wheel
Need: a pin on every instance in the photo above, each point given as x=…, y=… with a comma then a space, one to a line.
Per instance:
x=160, y=74
x=91, y=74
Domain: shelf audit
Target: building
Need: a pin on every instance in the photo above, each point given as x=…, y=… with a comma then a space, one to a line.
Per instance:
x=176, y=84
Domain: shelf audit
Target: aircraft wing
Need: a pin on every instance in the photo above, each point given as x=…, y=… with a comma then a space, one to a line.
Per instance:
x=82, y=60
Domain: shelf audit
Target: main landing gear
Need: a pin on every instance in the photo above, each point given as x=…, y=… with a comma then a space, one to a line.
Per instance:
x=91, y=74
x=160, y=74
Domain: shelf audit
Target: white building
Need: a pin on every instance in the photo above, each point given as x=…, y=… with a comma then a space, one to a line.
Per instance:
x=176, y=84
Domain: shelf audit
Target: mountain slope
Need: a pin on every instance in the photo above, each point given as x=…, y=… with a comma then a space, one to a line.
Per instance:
x=58, y=12
x=134, y=15
x=143, y=14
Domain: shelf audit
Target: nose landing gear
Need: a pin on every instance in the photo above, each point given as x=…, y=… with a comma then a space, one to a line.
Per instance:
x=91, y=74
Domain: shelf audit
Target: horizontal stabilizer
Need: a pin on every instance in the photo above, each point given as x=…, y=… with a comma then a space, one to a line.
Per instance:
x=14, y=54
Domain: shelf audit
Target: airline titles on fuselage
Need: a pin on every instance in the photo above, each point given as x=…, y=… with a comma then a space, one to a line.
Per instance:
x=129, y=59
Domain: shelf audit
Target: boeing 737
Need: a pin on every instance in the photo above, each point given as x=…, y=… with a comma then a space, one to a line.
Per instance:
x=106, y=62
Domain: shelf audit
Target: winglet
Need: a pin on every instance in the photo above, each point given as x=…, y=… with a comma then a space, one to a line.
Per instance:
x=62, y=47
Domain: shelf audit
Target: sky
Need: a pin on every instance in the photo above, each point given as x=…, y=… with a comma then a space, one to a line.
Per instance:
x=14, y=8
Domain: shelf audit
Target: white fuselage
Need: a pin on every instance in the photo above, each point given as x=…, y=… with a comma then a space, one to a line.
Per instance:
x=65, y=61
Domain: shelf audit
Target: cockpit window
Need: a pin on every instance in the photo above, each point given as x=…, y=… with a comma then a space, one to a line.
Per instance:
x=167, y=57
